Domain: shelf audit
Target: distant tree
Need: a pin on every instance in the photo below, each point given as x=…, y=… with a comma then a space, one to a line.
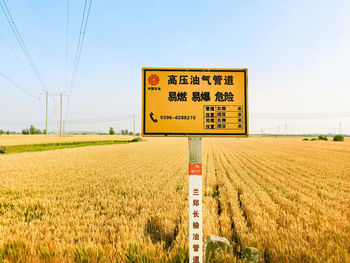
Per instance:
x=32, y=129
x=125, y=132
x=111, y=131
x=1, y=131
x=322, y=138
x=338, y=138
x=131, y=133
x=8, y=132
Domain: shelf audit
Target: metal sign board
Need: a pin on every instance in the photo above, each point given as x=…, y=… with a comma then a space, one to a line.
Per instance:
x=194, y=102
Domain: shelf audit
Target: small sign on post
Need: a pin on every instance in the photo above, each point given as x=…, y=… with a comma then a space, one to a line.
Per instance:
x=195, y=103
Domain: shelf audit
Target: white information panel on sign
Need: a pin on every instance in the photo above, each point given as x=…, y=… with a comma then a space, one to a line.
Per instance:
x=195, y=220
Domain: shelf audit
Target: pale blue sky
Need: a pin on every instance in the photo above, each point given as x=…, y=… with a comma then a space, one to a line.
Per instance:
x=297, y=54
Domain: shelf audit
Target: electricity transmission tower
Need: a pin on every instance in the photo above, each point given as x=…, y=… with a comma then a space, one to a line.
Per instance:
x=47, y=94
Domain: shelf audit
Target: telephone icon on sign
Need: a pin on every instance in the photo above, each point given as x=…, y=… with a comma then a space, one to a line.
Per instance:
x=152, y=118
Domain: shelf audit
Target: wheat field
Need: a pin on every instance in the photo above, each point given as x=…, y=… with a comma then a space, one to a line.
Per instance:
x=129, y=203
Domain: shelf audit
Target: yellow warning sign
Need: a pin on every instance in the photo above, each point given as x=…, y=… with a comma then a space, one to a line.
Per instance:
x=194, y=102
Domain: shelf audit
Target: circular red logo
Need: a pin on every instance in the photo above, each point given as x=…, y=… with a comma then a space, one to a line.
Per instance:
x=153, y=79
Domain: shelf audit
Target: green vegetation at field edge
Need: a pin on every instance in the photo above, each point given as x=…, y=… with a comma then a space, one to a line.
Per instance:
x=59, y=145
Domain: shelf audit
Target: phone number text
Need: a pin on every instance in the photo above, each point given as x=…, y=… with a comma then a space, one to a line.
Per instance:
x=177, y=117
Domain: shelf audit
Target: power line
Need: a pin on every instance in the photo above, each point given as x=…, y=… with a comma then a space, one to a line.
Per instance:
x=14, y=53
x=66, y=65
x=20, y=41
x=53, y=113
x=83, y=27
x=67, y=28
x=17, y=86
x=300, y=115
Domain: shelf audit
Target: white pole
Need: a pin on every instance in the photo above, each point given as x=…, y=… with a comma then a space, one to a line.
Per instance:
x=61, y=115
x=47, y=105
x=195, y=199
x=134, y=125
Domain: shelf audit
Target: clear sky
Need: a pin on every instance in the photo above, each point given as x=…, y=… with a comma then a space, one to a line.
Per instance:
x=297, y=54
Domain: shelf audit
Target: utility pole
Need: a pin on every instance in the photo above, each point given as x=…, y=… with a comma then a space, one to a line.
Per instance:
x=134, y=125
x=286, y=126
x=47, y=106
x=61, y=119
x=61, y=114
x=339, y=127
x=61, y=131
